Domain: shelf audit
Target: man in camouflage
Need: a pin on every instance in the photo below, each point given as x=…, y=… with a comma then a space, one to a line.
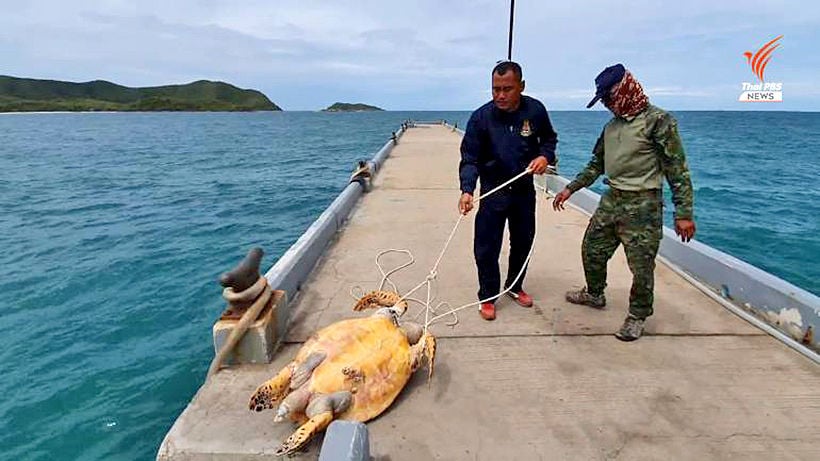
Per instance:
x=636, y=148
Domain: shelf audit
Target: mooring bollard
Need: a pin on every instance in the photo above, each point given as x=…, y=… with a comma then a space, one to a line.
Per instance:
x=246, y=330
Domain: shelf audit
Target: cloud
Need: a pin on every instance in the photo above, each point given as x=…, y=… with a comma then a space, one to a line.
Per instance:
x=431, y=54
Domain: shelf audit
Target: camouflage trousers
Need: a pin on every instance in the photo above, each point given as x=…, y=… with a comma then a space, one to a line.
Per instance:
x=634, y=219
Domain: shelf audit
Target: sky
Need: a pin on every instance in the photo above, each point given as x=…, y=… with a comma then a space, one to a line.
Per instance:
x=420, y=54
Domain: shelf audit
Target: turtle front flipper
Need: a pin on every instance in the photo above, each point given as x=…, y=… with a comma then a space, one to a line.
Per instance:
x=321, y=411
x=273, y=390
x=293, y=406
x=426, y=347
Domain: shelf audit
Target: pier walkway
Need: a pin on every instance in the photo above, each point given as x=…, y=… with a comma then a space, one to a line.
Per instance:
x=550, y=382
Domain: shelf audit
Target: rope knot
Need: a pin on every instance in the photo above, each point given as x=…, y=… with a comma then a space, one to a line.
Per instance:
x=432, y=275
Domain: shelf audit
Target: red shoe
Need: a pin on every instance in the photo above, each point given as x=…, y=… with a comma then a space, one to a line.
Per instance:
x=522, y=298
x=487, y=311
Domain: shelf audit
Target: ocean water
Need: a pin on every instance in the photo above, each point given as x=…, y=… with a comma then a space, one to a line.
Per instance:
x=115, y=228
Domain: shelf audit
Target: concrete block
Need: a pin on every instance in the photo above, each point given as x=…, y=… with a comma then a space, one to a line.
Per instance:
x=256, y=346
x=345, y=441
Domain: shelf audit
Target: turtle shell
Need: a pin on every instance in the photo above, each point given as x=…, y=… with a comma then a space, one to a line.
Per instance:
x=370, y=357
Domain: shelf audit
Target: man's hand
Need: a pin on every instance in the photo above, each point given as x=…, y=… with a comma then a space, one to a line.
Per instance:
x=538, y=165
x=560, y=198
x=685, y=228
x=465, y=203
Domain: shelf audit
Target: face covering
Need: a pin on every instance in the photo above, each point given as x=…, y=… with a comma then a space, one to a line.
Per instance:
x=626, y=98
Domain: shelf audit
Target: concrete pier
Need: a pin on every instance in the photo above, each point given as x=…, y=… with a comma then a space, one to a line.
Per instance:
x=549, y=382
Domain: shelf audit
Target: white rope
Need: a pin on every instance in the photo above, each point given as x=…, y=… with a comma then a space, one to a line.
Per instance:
x=520, y=272
x=433, y=274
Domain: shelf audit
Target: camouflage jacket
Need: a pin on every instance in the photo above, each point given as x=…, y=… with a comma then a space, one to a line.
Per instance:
x=636, y=153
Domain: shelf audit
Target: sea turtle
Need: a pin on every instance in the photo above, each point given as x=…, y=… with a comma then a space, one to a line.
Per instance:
x=351, y=370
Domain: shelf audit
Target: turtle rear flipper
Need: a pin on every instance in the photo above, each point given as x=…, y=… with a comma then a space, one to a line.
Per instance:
x=321, y=411
x=305, y=432
x=293, y=406
x=272, y=390
x=299, y=396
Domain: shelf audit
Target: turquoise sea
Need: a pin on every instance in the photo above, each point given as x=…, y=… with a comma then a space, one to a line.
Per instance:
x=114, y=229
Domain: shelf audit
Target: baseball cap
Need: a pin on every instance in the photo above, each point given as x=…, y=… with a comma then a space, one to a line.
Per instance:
x=604, y=82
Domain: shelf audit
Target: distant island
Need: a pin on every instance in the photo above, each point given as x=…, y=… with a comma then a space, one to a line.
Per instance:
x=347, y=107
x=29, y=95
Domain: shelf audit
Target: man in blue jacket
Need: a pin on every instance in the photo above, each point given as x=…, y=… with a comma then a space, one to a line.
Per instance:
x=504, y=137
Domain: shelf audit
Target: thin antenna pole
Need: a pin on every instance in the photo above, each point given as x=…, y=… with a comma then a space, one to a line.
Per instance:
x=512, y=15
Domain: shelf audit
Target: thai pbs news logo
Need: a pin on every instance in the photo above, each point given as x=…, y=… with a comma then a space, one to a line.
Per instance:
x=763, y=91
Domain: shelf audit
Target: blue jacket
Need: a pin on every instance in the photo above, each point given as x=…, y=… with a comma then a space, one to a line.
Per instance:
x=498, y=145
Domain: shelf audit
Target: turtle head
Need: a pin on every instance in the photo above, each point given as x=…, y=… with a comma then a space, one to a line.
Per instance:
x=390, y=313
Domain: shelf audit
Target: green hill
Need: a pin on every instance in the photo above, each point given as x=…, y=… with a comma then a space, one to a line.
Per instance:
x=26, y=95
x=347, y=107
